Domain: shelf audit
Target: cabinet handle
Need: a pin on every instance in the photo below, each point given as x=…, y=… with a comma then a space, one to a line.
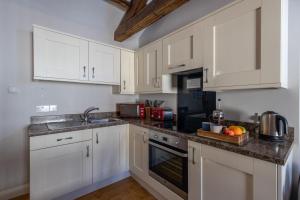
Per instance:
x=93, y=69
x=67, y=138
x=124, y=83
x=84, y=69
x=144, y=139
x=206, y=72
x=97, y=139
x=194, y=156
x=177, y=66
x=88, y=151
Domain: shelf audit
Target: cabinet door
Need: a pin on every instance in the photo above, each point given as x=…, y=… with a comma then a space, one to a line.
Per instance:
x=194, y=170
x=106, y=153
x=124, y=148
x=182, y=50
x=233, y=46
x=138, y=151
x=59, y=57
x=127, y=72
x=59, y=170
x=104, y=64
x=153, y=67
x=139, y=71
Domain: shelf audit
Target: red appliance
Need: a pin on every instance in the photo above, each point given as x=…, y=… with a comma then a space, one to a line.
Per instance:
x=142, y=111
x=162, y=114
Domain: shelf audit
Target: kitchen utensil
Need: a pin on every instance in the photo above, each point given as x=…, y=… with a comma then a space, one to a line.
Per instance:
x=216, y=128
x=273, y=126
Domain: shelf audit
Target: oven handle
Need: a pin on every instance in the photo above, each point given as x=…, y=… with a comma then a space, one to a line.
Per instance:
x=184, y=155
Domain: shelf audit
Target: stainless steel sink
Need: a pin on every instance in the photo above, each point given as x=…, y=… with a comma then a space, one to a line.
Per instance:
x=102, y=121
x=74, y=124
x=64, y=125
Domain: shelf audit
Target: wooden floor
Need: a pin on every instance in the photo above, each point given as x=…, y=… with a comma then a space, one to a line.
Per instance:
x=127, y=189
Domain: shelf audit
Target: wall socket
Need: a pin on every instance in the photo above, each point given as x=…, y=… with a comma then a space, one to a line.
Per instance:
x=42, y=108
x=46, y=108
x=53, y=108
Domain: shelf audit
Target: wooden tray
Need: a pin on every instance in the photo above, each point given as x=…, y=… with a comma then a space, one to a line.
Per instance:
x=238, y=140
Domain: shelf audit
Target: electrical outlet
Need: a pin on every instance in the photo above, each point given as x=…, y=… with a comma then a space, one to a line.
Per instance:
x=53, y=108
x=42, y=108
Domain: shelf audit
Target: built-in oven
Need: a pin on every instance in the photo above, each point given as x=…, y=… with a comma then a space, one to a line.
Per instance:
x=168, y=162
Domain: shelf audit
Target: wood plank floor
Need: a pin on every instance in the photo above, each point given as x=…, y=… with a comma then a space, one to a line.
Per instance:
x=127, y=189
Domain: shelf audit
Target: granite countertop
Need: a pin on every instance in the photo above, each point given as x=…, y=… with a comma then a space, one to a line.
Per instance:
x=264, y=150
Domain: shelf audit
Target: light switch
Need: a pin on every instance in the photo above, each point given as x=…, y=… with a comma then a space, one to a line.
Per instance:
x=42, y=108
x=13, y=90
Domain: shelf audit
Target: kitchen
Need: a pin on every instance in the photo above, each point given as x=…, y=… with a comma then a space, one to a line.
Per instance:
x=21, y=92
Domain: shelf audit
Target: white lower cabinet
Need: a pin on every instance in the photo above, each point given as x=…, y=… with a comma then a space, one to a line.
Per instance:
x=110, y=152
x=218, y=174
x=138, y=156
x=57, y=170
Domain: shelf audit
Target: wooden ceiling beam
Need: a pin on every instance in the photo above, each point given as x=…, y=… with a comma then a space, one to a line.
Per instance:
x=144, y=17
x=122, y=4
x=135, y=7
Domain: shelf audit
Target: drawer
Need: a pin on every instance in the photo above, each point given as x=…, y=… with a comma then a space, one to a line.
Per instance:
x=46, y=141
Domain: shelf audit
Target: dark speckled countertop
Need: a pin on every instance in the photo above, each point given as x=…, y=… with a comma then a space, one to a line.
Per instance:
x=265, y=150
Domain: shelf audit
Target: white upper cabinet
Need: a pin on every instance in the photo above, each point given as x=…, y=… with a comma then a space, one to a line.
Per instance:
x=139, y=71
x=153, y=66
x=63, y=57
x=153, y=79
x=59, y=56
x=104, y=64
x=127, y=72
x=182, y=50
x=244, y=46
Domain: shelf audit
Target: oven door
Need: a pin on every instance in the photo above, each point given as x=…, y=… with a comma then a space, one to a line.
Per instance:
x=168, y=165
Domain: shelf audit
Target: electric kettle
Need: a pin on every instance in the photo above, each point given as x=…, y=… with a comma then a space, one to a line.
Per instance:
x=272, y=126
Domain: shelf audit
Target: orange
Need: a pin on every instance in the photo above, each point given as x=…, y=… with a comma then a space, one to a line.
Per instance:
x=237, y=130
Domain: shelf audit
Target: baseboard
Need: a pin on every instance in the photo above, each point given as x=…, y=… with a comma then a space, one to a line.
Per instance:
x=14, y=192
x=94, y=187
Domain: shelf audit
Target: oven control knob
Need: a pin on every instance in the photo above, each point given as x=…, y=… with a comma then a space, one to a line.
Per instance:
x=155, y=136
x=177, y=142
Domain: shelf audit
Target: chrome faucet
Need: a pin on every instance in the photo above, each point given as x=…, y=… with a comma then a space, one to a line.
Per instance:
x=86, y=113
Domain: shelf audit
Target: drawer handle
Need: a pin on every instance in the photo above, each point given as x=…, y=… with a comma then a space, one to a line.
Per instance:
x=67, y=138
x=88, y=151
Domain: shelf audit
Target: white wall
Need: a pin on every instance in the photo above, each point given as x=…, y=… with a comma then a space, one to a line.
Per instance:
x=93, y=19
x=170, y=100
